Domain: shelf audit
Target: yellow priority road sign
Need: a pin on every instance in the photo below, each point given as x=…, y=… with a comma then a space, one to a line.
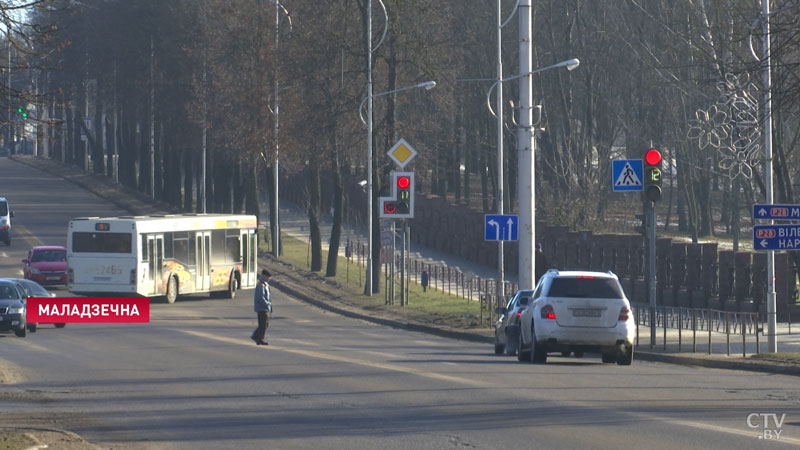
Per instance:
x=402, y=153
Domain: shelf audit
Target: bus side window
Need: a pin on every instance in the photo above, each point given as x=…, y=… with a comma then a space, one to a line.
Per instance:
x=168, y=248
x=218, y=255
x=190, y=260
x=232, y=244
x=145, y=256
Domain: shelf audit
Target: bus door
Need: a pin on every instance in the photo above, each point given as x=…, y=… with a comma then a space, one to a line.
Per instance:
x=249, y=253
x=203, y=256
x=155, y=253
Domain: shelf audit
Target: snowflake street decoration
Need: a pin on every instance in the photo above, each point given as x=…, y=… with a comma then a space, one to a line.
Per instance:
x=731, y=127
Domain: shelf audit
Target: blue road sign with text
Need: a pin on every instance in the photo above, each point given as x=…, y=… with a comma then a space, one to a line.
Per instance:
x=627, y=175
x=776, y=212
x=501, y=227
x=776, y=237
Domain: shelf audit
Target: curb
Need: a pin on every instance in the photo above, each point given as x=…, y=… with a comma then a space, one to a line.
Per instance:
x=749, y=366
x=455, y=334
x=472, y=337
x=681, y=360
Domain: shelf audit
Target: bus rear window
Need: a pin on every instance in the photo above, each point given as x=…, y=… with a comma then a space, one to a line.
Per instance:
x=83, y=242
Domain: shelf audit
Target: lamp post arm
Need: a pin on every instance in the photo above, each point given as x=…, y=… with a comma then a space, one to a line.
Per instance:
x=570, y=64
x=511, y=15
x=385, y=27
x=288, y=16
x=426, y=85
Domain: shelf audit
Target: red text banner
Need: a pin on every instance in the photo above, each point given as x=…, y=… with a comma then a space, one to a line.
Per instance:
x=88, y=310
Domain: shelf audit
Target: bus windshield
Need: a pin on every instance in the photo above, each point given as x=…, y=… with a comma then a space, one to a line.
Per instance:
x=86, y=242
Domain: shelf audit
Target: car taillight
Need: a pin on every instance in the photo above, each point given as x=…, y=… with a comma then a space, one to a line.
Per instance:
x=623, y=314
x=133, y=276
x=548, y=312
x=70, y=276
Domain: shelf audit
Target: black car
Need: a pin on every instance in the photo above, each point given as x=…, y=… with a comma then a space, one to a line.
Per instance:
x=34, y=289
x=506, y=330
x=12, y=308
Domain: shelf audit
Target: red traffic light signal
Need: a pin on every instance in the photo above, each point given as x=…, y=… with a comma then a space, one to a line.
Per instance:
x=403, y=182
x=652, y=157
x=652, y=175
x=400, y=205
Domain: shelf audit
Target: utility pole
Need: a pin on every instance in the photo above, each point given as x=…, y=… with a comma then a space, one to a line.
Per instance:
x=525, y=158
x=500, y=165
x=152, y=122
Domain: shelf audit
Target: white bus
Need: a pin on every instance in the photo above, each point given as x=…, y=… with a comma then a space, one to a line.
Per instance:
x=165, y=256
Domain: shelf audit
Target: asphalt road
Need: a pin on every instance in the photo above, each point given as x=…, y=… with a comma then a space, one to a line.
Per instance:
x=192, y=379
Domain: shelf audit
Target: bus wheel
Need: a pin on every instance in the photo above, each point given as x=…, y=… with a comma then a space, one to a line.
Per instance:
x=231, y=293
x=172, y=290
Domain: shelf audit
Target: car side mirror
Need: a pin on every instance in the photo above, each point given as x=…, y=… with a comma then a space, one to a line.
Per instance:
x=500, y=310
x=12, y=213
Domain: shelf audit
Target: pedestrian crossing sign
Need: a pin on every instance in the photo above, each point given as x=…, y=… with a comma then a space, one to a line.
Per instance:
x=627, y=175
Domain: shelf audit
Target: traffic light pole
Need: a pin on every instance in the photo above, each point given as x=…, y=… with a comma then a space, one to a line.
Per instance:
x=651, y=230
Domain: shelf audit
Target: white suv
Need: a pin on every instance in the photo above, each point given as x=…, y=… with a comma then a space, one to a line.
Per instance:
x=578, y=311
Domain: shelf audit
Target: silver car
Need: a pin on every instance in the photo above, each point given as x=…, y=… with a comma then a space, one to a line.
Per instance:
x=12, y=308
x=506, y=329
x=578, y=311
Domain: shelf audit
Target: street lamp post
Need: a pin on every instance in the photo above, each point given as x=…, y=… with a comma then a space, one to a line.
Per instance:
x=526, y=174
x=370, y=49
x=276, y=237
x=771, y=301
x=427, y=85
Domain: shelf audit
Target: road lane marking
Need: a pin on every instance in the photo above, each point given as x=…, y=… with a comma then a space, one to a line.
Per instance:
x=345, y=359
x=29, y=237
x=460, y=380
x=751, y=433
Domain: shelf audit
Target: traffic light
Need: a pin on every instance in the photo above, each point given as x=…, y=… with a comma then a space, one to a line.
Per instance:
x=400, y=205
x=22, y=113
x=652, y=175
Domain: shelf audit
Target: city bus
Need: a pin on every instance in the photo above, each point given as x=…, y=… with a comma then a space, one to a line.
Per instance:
x=169, y=255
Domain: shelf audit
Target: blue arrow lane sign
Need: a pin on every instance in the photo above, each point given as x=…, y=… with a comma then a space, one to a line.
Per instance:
x=501, y=227
x=776, y=237
x=778, y=212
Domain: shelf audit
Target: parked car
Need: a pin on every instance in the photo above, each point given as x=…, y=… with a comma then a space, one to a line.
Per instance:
x=12, y=308
x=46, y=265
x=34, y=289
x=578, y=311
x=6, y=213
x=506, y=329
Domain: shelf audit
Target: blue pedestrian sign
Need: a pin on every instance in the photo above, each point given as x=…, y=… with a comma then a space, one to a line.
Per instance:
x=627, y=175
x=501, y=227
x=776, y=237
x=777, y=212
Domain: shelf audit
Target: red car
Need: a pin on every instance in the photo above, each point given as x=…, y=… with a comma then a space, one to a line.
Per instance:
x=46, y=265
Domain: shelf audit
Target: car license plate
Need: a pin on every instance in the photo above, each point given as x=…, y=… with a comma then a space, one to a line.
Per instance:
x=586, y=312
x=53, y=278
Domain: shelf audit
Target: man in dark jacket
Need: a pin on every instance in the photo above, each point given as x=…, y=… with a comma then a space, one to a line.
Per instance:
x=262, y=306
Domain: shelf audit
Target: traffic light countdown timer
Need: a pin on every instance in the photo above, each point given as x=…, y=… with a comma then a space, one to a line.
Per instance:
x=652, y=175
x=400, y=205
